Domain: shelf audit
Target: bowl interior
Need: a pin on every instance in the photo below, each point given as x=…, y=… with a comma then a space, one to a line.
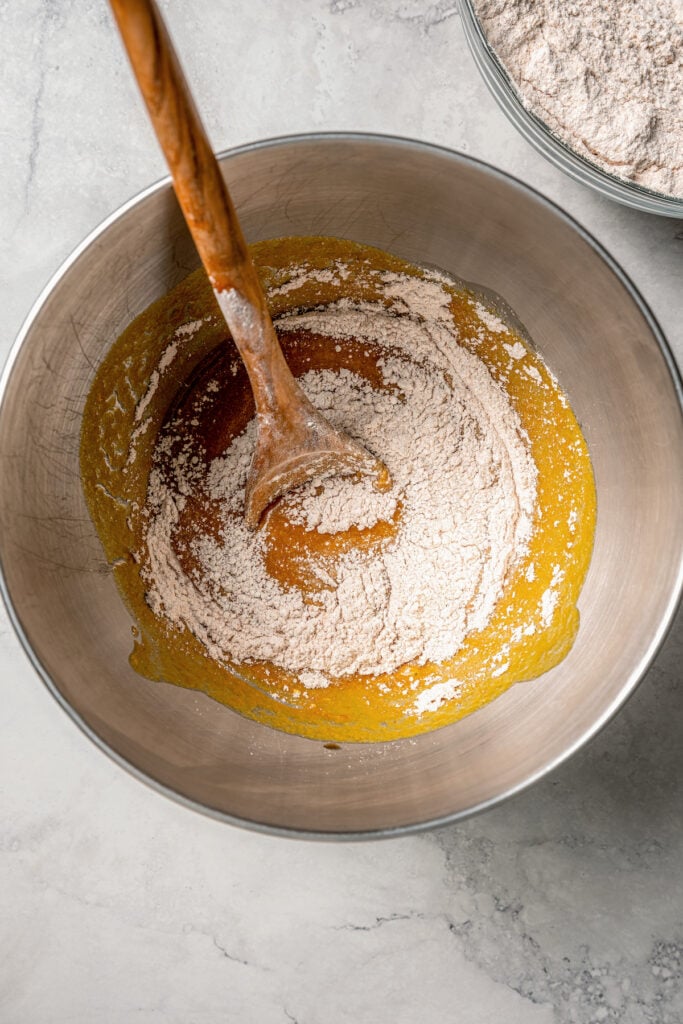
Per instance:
x=426, y=205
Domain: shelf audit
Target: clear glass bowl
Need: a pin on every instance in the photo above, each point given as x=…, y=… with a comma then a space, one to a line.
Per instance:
x=540, y=136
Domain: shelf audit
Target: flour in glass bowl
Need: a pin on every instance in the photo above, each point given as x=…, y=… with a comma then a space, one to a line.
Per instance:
x=606, y=76
x=462, y=503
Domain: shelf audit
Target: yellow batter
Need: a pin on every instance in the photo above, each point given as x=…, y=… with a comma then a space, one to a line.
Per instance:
x=130, y=400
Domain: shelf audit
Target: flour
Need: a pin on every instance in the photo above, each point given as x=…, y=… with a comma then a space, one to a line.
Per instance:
x=431, y=698
x=330, y=275
x=606, y=76
x=167, y=358
x=189, y=329
x=169, y=354
x=335, y=504
x=313, y=680
x=516, y=351
x=460, y=513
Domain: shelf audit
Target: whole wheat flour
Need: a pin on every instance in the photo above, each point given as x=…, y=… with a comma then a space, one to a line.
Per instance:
x=606, y=76
x=462, y=507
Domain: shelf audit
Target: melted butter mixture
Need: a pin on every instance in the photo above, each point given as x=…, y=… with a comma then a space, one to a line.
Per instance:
x=173, y=364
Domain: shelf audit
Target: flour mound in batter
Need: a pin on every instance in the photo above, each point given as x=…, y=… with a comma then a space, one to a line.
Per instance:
x=462, y=507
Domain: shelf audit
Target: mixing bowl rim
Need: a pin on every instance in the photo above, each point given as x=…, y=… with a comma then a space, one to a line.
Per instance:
x=635, y=676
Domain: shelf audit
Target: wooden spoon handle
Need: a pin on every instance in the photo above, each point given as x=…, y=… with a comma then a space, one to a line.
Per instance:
x=201, y=191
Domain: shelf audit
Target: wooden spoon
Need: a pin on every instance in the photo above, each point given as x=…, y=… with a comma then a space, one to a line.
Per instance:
x=294, y=441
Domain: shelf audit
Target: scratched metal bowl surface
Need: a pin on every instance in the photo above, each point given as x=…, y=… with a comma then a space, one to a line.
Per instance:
x=428, y=205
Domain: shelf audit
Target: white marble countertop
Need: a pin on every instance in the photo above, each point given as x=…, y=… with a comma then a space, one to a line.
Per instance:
x=116, y=905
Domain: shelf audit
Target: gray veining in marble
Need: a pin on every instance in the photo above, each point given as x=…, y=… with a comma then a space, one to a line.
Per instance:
x=564, y=905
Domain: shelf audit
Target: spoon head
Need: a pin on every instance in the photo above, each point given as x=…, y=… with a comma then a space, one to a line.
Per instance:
x=305, y=450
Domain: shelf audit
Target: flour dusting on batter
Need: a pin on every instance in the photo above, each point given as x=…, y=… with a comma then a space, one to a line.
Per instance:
x=461, y=508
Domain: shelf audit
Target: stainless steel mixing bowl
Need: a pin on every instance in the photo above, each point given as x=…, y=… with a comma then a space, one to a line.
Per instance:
x=428, y=205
